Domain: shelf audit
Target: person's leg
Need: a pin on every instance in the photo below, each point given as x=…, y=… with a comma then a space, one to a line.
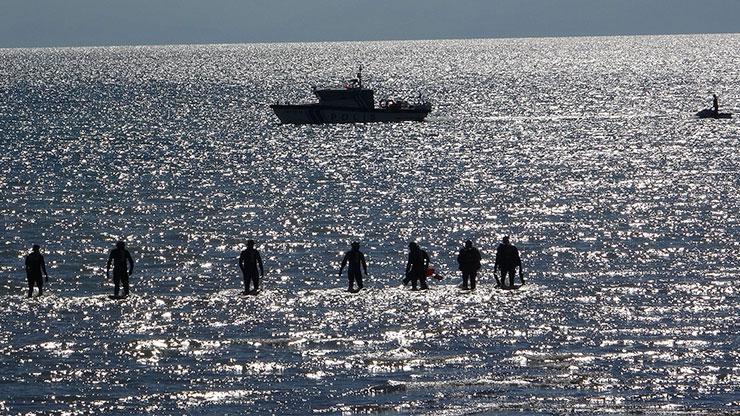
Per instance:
x=247, y=279
x=256, y=281
x=350, y=280
x=423, y=280
x=512, y=275
x=40, y=284
x=466, y=276
x=124, y=281
x=31, y=283
x=116, y=283
x=358, y=279
x=414, y=279
x=472, y=280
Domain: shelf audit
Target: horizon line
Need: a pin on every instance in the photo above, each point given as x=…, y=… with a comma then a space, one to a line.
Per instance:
x=287, y=42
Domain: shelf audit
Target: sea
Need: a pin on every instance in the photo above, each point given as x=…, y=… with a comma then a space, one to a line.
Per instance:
x=584, y=150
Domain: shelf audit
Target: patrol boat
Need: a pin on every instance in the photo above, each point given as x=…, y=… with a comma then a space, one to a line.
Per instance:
x=352, y=104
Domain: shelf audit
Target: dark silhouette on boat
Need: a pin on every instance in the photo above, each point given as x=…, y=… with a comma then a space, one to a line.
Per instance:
x=714, y=111
x=351, y=104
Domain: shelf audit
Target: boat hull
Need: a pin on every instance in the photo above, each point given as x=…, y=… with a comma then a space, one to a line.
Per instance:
x=709, y=113
x=318, y=114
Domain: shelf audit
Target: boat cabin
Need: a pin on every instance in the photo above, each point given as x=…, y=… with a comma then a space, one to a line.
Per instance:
x=348, y=97
x=352, y=96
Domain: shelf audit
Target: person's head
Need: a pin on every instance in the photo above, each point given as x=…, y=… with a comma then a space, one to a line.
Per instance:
x=468, y=244
x=355, y=245
x=250, y=243
x=506, y=239
x=120, y=245
x=36, y=248
x=413, y=245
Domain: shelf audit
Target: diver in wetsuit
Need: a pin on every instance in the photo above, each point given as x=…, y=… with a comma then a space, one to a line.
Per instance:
x=715, y=104
x=357, y=264
x=35, y=265
x=249, y=261
x=416, y=267
x=507, y=260
x=469, y=263
x=123, y=267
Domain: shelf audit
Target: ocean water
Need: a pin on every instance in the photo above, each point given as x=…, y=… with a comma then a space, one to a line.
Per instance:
x=584, y=150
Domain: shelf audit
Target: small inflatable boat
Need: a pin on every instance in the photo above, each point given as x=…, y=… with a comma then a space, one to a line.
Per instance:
x=709, y=113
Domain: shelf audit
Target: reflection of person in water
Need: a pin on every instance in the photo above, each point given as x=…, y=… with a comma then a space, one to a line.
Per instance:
x=249, y=262
x=507, y=260
x=416, y=267
x=356, y=261
x=35, y=265
x=469, y=263
x=123, y=267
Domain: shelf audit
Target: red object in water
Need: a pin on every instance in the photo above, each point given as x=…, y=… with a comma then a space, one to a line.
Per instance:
x=431, y=273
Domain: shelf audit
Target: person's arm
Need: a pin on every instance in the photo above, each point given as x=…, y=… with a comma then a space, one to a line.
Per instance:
x=259, y=262
x=130, y=263
x=364, y=264
x=408, y=265
x=107, y=267
x=241, y=261
x=519, y=263
x=495, y=266
x=344, y=263
x=43, y=268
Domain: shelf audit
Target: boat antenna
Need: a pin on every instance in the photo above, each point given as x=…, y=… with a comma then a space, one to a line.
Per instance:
x=359, y=76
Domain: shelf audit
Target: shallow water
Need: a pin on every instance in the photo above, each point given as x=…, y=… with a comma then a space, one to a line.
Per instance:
x=583, y=149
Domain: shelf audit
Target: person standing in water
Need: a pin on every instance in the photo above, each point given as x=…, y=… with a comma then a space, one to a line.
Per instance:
x=416, y=267
x=356, y=260
x=507, y=260
x=469, y=263
x=123, y=267
x=35, y=265
x=249, y=261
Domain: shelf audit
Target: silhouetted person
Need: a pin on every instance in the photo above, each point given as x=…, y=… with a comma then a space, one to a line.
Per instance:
x=123, y=267
x=469, y=263
x=249, y=262
x=416, y=267
x=34, y=267
x=507, y=260
x=356, y=261
x=715, y=104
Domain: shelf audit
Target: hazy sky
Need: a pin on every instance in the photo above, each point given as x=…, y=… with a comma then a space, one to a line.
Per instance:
x=126, y=22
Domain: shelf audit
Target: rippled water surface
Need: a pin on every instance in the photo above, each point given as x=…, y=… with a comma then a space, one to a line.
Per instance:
x=584, y=150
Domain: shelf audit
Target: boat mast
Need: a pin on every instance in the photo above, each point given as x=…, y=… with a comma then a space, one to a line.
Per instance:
x=359, y=76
